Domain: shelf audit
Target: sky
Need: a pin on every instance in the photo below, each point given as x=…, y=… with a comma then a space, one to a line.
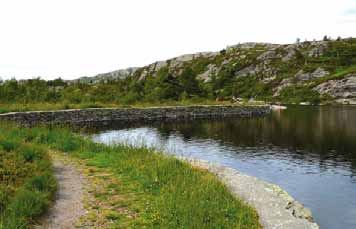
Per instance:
x=74, y=38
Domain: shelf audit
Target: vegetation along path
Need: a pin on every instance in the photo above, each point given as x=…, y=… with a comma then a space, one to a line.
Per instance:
x=102, y=186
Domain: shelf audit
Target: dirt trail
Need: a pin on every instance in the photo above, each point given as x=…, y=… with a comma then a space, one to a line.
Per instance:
x=68, y=206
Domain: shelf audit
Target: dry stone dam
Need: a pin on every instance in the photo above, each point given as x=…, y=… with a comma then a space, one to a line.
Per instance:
x=129, y=115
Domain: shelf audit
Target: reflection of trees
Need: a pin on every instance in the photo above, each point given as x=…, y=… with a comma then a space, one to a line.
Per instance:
x=325, y=134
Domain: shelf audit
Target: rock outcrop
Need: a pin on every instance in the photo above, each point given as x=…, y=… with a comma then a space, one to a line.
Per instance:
x=344, y=90
x=118, y=74
x=318, y=73
x=206, y=76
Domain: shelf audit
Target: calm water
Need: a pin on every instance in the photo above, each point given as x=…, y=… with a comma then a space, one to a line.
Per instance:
x=309, y=151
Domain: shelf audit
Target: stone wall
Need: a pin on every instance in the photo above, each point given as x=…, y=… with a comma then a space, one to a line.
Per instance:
x=130, y=115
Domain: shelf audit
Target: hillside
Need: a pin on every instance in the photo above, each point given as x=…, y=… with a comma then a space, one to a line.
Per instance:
x=311, y=72
x=306, y=71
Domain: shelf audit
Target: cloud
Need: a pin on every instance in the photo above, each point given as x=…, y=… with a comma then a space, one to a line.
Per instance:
x=350, y=12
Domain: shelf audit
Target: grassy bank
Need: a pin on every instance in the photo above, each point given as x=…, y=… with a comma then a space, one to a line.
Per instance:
x=137, y=187
x=27, y=184
x=19, y=107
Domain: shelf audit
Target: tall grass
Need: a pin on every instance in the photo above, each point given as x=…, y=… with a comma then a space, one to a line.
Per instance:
x=27, y=184
x=157, y=189
x=162, y=191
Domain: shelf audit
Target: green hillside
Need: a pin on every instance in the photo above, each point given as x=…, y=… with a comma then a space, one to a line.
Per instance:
x=314, y=72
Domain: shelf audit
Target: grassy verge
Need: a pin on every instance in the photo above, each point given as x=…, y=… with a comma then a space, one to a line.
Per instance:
x=19, y=107
x=27, y=184
x=137, y=187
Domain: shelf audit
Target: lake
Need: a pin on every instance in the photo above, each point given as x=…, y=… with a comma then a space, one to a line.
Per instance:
x=308, y=151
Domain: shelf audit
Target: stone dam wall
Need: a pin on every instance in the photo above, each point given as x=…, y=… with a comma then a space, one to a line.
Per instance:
x=131, y=115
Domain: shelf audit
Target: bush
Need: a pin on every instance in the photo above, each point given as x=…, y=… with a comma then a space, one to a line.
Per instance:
x=31, y=153
x=28, y=204
x=4, y=197
x=7, y=145
x=298, y=94
x=43, y=183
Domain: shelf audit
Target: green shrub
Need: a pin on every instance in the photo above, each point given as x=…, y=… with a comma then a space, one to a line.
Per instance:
x=43, y=183
x=298, y=94
x=4, y=197
x=31, y=152
x=7, y=145
x=28, y=204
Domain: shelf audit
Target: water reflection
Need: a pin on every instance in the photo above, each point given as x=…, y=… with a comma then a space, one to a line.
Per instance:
x=309, y=151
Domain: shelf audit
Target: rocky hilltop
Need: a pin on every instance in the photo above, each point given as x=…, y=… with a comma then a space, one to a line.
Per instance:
x=118, y=74
x=310, y=71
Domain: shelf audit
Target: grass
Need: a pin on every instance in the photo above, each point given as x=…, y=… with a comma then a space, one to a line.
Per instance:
x=27, y=184
x=132, y=187
x=19, y=107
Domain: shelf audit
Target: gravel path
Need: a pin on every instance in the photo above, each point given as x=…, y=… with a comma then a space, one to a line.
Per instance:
x=68, y=207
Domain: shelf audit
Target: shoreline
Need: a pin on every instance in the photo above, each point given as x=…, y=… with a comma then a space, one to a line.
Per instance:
x=275, y=207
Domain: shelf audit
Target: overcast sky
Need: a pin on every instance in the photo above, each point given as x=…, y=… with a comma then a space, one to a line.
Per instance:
x=73, y=38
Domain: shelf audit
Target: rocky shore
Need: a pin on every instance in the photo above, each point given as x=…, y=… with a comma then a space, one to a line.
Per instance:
x=275, y=207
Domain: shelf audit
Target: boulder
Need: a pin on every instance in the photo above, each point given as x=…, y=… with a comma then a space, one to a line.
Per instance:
x=290, y=53
x=270, y=54
x=250, y=70
x=206, y=76
x=301, y=76
x=318, y=73
x=319, y=47
x=269, y=79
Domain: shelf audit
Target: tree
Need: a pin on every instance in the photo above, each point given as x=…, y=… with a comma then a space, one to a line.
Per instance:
x=222, y=84
x=325, y=38
x=163, y=86
x=188, y=82
x=298, y=40
x=56, y=82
